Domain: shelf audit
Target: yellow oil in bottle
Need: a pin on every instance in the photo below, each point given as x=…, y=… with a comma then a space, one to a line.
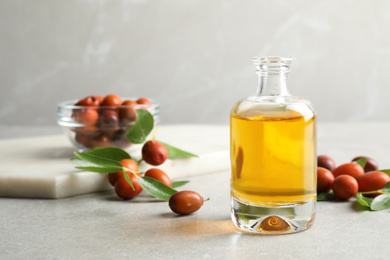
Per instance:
x=273, y=157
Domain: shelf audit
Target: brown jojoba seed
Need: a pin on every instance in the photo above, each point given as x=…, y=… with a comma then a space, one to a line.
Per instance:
x=154, y=153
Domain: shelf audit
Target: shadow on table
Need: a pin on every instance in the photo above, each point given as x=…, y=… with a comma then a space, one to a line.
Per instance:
x=141, y=198
x=200, y=228
x=359, y=208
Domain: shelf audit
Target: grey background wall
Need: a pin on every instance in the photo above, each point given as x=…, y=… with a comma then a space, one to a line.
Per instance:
x=194, y=57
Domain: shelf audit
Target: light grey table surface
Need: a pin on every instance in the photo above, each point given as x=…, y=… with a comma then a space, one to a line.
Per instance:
x=100, y=226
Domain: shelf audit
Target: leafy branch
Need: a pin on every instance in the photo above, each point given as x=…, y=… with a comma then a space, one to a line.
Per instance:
x=380, y=202
x=106, y=160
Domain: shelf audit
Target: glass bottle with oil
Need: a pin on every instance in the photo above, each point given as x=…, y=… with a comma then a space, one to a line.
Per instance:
x=273, y=155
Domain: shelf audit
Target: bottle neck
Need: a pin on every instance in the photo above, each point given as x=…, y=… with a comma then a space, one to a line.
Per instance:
x=272, y=84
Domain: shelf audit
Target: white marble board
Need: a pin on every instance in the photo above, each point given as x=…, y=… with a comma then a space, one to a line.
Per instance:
x=39, y=167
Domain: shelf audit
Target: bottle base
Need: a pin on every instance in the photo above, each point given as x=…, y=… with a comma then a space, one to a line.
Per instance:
x=275, y=220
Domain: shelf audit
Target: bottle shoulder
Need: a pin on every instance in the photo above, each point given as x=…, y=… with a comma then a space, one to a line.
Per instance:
x=273, y=106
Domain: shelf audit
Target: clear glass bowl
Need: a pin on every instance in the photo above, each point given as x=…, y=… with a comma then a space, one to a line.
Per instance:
x=100, y=126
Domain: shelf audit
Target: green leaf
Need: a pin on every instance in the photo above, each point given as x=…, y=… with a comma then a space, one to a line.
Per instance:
x=97, y=160
x=381, y=202
x=129, y=180
x=326, y=196
x=362, y=161
x=387, y=171
x=364, y=201
x=156, y=188
x=386, y=188
x=176, y=184
x=176, y=153
x=112, y=153
x=81, y=162
x=88, y=166
x=100, y=169
x=142, y=127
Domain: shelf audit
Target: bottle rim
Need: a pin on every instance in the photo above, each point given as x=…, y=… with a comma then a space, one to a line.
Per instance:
x=273, y=59
x=272, y=63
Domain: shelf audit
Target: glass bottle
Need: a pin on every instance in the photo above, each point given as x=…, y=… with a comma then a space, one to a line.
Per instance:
x=273, y=155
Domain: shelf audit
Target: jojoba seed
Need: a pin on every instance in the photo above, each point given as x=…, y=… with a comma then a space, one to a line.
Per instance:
x=129, y=164
x=90, y=101
x=108, y=118
x=98, y=99
x=111, y=100
x=326, y=162
x=345, y=186
x=109, y=121
x=159, y=175
x=351, y=169
x=87, y=130
x=83, y=102
x=101, y=140
x=143, y=101
x=84, y=140
x=127, y=113
x=86, y=116
x=372, y=181
x=185, y=202
x=371, y=164
x=154, y=153
x=124, y=190
x=325, y=180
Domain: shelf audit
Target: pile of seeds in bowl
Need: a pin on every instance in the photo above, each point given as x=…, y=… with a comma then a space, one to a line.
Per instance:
x=103, y=121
